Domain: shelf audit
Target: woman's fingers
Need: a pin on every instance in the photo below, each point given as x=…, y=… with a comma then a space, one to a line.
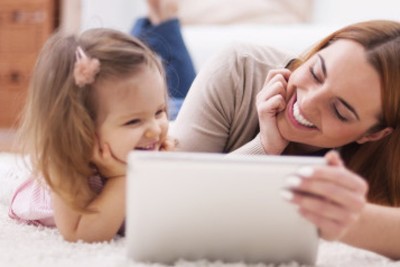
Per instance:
x=275, y=83
x=338, y=175
x=285, y=73
x=335, y=183
x=271, y=139
x=328, y=229
x=269, y=108
x=332, y=197
x=338, y=195
x=270, y=101
x=333, y=158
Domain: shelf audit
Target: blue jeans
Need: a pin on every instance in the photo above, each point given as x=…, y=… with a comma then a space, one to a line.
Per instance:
x=166, y=40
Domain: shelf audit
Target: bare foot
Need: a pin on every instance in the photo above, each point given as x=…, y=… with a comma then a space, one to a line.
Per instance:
x=162, y=10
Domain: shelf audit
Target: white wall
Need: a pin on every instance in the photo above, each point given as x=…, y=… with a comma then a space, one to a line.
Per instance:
x=117, y=14
x=329, y=15
x=342, y=12
x=120, y=14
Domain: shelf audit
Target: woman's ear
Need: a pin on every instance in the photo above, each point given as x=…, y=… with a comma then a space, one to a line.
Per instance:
x=375, y=136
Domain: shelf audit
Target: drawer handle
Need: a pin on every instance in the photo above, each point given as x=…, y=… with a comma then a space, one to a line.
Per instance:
x=15, y=77
x=19, y=16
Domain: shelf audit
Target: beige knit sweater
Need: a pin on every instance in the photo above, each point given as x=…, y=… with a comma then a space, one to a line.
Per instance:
x=219, y=112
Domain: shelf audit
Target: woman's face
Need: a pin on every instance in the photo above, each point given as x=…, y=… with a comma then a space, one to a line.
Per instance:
x=334, y=98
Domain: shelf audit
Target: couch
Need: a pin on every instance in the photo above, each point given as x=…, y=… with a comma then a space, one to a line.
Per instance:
x=204, y=40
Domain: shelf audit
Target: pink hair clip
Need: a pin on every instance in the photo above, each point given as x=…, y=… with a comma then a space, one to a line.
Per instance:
x=85, y=68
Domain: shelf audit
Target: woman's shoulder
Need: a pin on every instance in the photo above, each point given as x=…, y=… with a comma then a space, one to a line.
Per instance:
x=254, y=53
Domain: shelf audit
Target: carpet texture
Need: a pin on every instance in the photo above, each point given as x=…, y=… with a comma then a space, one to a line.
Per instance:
x=24, y=245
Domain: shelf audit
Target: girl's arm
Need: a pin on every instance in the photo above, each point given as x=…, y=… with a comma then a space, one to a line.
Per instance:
x=101, y=225
x=378, y=230
x=108, y=207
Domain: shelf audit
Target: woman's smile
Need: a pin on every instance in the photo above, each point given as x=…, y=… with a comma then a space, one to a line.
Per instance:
x=295, y=116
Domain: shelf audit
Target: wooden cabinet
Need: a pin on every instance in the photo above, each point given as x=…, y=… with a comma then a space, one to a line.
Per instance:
x=24, y=27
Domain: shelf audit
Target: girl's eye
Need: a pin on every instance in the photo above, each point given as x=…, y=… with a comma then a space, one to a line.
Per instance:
x=160, y=112
x=315, y=77
x=133, y=122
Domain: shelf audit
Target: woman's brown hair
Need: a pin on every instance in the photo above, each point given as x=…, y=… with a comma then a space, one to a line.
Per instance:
x=58, y=123
x=378, y=162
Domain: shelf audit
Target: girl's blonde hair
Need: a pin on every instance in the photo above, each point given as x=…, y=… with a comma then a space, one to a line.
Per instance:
x=58, y=123
x=378, y=162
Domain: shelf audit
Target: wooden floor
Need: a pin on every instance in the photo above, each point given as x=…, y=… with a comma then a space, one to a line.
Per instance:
x=7, y=140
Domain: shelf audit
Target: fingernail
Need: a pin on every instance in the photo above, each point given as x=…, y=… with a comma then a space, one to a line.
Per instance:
x=305, y=171
x=293, y=181
x=285, y=194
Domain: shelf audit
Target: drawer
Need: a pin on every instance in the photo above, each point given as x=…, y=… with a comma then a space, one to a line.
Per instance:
x=22, y=39
x=31, y=13
x=11, y=105
x=15, y=72
x=23, y=2
x=25, y=29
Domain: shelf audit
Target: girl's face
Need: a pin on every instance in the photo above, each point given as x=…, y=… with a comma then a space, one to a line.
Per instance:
x=334, y=98
x=132, y=113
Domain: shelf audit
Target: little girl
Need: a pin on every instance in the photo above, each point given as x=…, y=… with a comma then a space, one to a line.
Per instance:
x=92, y=99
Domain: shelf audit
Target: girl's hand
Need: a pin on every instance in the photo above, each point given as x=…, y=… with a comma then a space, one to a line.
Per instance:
x=107, y=164
x=331, y=197
x=270, y=101
x=168, y=144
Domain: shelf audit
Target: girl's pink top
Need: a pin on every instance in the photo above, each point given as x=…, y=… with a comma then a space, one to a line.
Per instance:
x=31, y=202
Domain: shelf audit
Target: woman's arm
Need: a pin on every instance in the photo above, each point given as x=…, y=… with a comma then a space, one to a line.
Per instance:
x=219, y=113
x=102, y=224
x=378, y=230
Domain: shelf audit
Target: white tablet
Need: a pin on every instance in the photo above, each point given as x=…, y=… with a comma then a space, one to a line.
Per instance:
x=197, y=206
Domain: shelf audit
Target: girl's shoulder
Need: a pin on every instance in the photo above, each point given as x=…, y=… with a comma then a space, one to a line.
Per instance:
x=31, y=203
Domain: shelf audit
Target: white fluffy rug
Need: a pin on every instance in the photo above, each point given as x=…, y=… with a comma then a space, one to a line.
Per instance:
x=23, y=245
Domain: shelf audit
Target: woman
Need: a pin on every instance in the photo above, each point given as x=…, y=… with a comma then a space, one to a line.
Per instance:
x=161, y=31
x=343, y=94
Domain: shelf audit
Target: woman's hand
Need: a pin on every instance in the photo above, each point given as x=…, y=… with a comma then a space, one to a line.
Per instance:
x=106, y=163
x=331, y=197
x=270, y=101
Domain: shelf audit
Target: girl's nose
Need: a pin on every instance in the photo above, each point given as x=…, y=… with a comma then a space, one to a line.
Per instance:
x=153, y=130
x=150, y=134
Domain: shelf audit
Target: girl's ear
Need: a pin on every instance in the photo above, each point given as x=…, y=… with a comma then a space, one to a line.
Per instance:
x=375, y=136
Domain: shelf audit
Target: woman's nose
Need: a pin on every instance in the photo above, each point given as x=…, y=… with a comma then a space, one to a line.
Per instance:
x=311, y=99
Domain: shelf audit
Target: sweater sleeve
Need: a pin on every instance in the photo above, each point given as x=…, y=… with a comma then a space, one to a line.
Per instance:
x=219, y=113
x=254, y=147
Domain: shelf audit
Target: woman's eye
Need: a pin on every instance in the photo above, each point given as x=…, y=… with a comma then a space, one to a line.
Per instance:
x=315, y=77
x=338, y=115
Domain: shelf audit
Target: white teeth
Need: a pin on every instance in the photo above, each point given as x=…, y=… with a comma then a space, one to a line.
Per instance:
x=149, y=147
x=299, y=118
